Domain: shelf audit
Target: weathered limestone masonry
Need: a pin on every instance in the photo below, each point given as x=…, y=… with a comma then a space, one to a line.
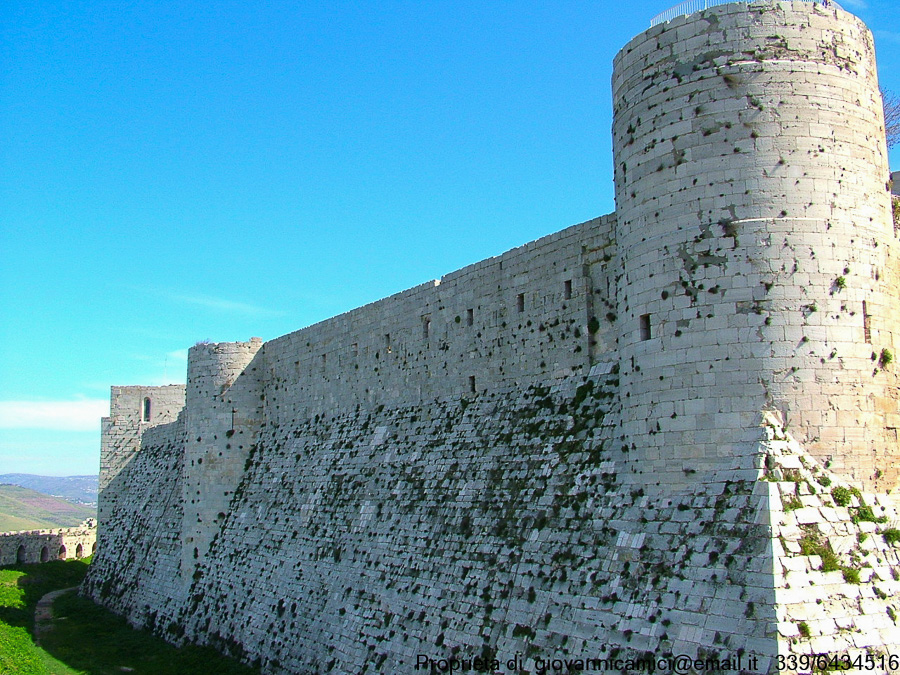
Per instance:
x=33, y=546
x=670, y=430
x=132, y=410
x=755, y=233
x=223, y=412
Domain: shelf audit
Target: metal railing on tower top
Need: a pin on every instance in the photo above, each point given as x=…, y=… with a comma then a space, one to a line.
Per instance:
x=691, y=6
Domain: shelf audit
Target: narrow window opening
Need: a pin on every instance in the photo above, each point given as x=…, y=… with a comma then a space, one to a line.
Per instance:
x=472, y=383
x=867, y=330
x=426, y=327
x=470, y=317
x=645, y=327
x=324, y=359
x=145, y=410
x=520, y=302
x=355, y=348
x=567, y=290
x=387, y=342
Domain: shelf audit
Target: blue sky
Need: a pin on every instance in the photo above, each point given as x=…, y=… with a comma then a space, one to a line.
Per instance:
x=178, y=171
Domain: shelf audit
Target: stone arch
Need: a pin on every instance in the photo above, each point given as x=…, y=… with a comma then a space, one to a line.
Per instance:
x=79, y=551
x=62, y=553
x=20, y=554
x=45, y=554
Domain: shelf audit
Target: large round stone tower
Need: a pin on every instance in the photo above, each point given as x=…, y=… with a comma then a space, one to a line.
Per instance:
x=759, y=255
x=223, y=412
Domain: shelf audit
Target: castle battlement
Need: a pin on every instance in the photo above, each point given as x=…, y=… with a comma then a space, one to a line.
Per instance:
x=62, y=543
x=669, y=430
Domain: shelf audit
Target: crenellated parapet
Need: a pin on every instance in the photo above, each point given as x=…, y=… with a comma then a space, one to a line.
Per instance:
x=37, y=546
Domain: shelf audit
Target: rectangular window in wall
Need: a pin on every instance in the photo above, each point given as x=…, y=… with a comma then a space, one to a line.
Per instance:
x=567, y=290
x=867, y=330
x=472, y=383
x=426, y=327
x=470, y=317
x=646, y=334
x=387, y=342
x=520, y=302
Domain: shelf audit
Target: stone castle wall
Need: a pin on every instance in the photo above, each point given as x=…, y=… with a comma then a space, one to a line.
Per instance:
x=36, y=546
x=144, y=528
x=612, y=441
x=521, y=317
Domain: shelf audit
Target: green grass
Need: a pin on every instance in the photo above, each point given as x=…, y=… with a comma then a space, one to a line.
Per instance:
x=20, y=589
x=98, y=642
x=85, y=639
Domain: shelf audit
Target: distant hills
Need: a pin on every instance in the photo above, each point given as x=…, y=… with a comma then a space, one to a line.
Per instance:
x=24, y=509
x=76, y=489
x=29, y=502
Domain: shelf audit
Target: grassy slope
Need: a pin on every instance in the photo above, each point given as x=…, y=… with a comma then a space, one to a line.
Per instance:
x=101, y=643
x=20, y=589
x=75, y=489
x=24, y=509
x=85, y=639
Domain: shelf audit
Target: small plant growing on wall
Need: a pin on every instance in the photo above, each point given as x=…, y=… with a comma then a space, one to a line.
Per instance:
x=792, y=503
x=886, y=358
x=841, y=495
x=851, y=575
x=891, y=535
x=812, y=543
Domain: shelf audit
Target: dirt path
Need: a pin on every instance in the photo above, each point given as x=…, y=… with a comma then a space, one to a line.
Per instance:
x=43, y=613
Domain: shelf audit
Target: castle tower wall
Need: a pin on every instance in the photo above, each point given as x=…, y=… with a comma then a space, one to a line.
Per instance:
x=758, y=251
x=132, y=411
x=224, y=410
